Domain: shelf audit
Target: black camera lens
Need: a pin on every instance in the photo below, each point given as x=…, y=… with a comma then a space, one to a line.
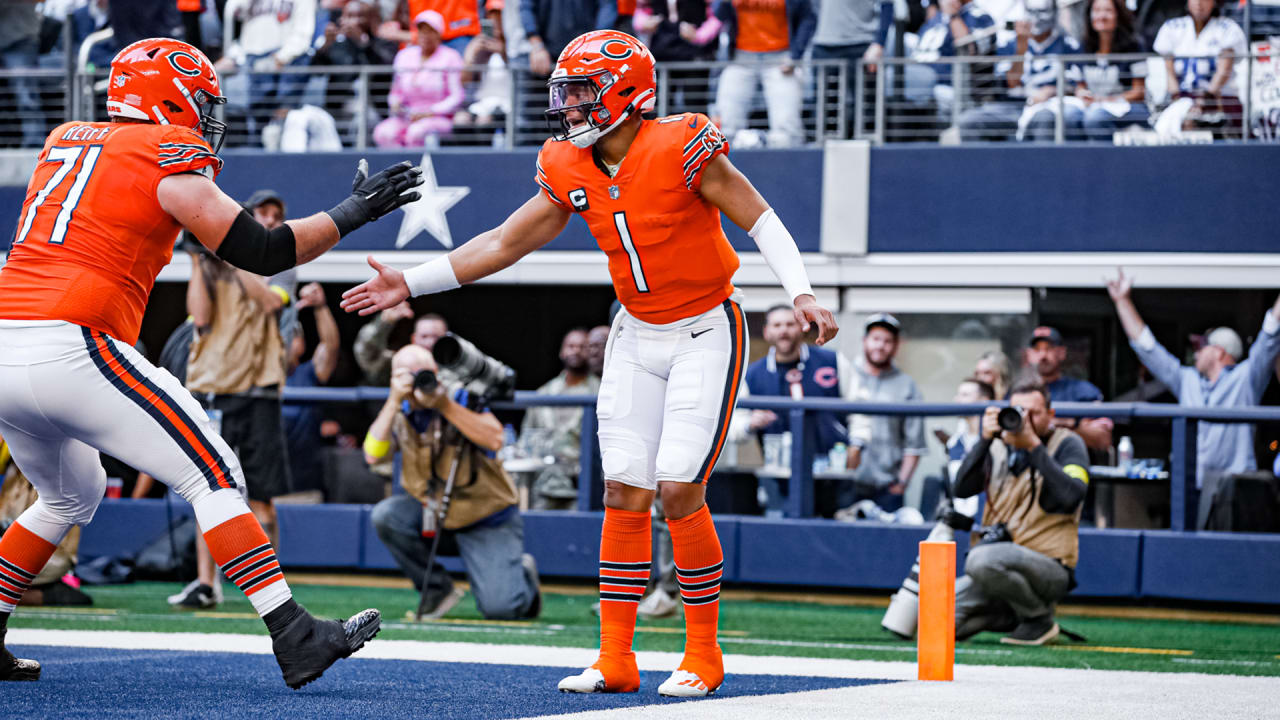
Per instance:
x=425, y=381
x=1010, y=419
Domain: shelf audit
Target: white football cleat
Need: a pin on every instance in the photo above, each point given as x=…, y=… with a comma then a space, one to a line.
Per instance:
x=590, y=680
x=683, y=683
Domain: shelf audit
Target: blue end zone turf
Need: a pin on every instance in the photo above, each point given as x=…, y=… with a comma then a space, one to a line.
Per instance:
x=98, y=683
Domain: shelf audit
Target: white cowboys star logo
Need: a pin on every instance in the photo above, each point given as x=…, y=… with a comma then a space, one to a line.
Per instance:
x=429, y=212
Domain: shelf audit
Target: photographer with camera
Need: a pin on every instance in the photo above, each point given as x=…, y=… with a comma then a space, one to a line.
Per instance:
x=1024, y=561
x=459, y=500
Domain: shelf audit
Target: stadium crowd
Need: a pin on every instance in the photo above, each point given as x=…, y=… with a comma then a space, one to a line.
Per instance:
x=453, y=72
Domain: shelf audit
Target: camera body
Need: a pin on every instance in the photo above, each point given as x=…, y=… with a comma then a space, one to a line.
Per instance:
x=479, y=373
x=1011, y=419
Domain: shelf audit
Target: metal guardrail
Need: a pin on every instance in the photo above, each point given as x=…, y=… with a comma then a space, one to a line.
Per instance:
x=504, y=107
x=966, y=99
x=1184, y=423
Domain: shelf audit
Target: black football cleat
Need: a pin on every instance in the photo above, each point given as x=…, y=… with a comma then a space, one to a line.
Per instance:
x=306, y=646
x=17, y=669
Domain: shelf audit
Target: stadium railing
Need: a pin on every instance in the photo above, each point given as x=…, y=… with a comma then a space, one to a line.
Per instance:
x=924, y=100
x=1183, y=424
x=512, y=99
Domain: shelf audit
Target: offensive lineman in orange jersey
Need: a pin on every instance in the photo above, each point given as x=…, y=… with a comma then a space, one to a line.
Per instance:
x=103, y=208
x=651, y=192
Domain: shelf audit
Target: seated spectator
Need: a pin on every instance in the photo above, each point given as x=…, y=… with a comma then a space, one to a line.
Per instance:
x=560, y=428
x=1200, y=50
x=681, y=31
x=1114, y=92
x=993, y=368
x=769, y=41
x=482, y=524
x=1223, y=377
x=958, y=28
x=350, y=42
x=273, y=35
x=19, y=50
x=302, y=420
x=426, y=91
x=1029, y=109
x=1045, y=356
x=1024, y=563
x=597, y=343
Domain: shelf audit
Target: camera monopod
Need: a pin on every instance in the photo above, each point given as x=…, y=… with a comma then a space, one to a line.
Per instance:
x=442, y=507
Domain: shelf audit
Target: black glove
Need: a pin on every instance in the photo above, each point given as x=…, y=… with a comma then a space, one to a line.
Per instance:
x=956, y=520
x=373, y=197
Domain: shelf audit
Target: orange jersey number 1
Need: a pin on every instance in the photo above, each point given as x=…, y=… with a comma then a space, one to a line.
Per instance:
x=624, y=234
x=67, y=156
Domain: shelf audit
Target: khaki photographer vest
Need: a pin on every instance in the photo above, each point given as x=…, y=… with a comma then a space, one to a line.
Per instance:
x=481, y=487
x=1015, y=501
x=242, y=348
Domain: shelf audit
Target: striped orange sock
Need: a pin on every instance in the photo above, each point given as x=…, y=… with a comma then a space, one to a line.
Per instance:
x=23, y=555
x=242, y=550
x=699, y=567
x=625, y=554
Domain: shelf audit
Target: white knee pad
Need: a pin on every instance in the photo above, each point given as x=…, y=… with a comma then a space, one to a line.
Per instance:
x=678, y=461
x=52, y=523
x=625, y=459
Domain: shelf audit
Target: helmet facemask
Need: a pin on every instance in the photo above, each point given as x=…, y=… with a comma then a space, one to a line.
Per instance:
x=213, y=130
x=583, y=95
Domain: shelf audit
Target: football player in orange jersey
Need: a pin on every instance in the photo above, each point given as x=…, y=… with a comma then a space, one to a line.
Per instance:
x=102, y=211
x=651, y=192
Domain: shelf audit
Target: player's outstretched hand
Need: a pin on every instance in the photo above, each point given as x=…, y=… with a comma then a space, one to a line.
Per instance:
x=384, y=290
x=375, y=196
x=809, y=311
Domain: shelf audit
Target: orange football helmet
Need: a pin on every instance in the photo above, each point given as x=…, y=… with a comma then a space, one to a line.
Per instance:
x=603, y=76
x=169, y=82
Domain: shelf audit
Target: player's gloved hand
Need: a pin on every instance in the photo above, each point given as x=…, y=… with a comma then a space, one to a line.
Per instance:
x=956, y=520
x=373, y=197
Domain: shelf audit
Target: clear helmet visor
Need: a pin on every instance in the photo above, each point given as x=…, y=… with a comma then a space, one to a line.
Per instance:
x=568, y=94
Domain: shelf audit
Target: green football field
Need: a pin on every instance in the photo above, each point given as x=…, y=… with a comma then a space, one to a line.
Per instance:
x=820, y=626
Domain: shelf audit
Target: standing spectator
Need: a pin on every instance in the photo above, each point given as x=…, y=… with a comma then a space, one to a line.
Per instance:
x=554, y=487
x=994, y=369
x=965, y=437
x=350, y=42
x=1045, y=356
x=274, y=34
x=549, y=25
x=1114, y=92
x=1200, y=50
x=482, y=525
x=597, y=342
x=373, y=349
x=890, y=457
x=769, y=40
x=426, y=91
x=134, y=20
x=681, y=31
x=794, y=368
x=1030, y=107
x=19, y=50
x=847, y=30
x=461, y=20
x=302, y=420
x=1221, y=378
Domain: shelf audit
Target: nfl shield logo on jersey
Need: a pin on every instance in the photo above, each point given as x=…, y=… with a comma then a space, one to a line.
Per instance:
x=614, y=192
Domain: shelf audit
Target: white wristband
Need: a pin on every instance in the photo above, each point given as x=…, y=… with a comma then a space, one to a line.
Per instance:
x=780, y=251
x=431, y=277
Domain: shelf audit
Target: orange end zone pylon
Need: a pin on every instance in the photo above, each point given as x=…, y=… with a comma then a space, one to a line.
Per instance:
x=936, y=637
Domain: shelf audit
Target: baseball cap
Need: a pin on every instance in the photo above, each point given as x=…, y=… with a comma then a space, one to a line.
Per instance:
x=264, y=196
x=432, y=18
x=1044, y=332
x=884, y=320
x=1227, y=339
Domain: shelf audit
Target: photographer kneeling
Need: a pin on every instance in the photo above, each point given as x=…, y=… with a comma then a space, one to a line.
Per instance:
x=430, y=424
x=1035, y=477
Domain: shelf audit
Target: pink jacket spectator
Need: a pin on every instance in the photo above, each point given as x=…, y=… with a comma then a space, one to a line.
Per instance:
x=431, y=87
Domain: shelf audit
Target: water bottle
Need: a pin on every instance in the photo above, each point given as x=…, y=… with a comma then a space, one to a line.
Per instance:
x=1124, y=453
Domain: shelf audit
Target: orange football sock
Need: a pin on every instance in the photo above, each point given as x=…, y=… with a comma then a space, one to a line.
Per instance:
x=23, y=555
x=625, y=553
x=244, y=553
x=699, y=567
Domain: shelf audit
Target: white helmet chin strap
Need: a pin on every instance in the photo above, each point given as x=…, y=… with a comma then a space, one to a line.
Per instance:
x=588, y=138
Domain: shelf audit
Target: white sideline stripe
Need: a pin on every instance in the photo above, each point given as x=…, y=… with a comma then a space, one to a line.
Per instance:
x=980, y=691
